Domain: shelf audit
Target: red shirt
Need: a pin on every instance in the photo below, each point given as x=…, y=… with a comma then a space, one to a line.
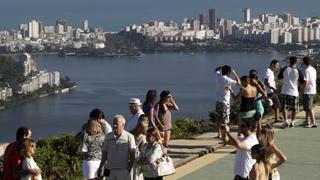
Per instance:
x=12, y=158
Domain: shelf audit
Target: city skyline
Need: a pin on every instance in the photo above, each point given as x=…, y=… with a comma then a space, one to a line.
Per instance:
x=112, y=15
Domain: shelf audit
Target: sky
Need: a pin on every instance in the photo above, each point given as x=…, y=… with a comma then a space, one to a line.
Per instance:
x=116, y=14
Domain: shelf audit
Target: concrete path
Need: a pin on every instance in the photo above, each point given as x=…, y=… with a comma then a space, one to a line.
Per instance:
x=301, y=146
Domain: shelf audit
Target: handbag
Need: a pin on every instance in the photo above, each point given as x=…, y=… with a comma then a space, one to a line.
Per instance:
x=83, y=147
x=164, y=166
x=161, y=167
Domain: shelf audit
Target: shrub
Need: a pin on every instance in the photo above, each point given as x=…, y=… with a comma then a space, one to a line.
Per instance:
x=187, y=127
x=58, y=159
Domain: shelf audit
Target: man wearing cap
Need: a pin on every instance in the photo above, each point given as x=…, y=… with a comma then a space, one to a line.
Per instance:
x=136, y=111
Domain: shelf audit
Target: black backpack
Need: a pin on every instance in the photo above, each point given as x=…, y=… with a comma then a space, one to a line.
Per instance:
x=300, y=79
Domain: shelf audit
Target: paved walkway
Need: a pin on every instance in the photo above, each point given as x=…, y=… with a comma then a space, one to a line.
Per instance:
x=301, y=146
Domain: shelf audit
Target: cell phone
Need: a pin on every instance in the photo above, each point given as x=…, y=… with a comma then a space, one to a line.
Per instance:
x=106, y=172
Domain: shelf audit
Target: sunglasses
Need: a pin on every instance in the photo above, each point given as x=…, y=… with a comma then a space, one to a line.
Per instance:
x=33, y=146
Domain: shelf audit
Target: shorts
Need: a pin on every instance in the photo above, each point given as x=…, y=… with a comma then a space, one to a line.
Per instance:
x=237, y=177
x=308, y=102
x=90, y=168
x=247, y=114
x=289, y=102
x=223, y=112
x=275, y=100
x=117, y=174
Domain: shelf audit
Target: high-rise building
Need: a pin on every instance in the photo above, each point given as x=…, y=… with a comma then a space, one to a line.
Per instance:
x=287, y=18
x=316, y=31
x=274, y=36
x=305, y=34
x=195, y=24
x=296, y=35
x=60, y=29
x=33, y=29
x=86, y=25
x=286, y=37
x=295, y=21
x=28, y=64
x=311, y=34
x=63, y=23
x=213, y=19
x=246, y=13
x=204, y=20
x=228, y=27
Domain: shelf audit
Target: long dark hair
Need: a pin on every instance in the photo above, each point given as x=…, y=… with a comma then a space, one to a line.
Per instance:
x=96, y=114
x=151, y=98
x=164, y=94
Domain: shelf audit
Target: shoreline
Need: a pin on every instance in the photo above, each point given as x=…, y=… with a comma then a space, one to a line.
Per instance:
x=30, y=99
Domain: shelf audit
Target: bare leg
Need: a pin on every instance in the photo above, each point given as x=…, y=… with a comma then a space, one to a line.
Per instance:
x=219, y=130
x=312, y=117
x=276, y=114
x=166, y=138
x=307, y=117
x=293, y=116
x=285, y=115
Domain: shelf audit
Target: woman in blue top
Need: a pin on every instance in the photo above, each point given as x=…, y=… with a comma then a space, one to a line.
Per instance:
x=149, y=107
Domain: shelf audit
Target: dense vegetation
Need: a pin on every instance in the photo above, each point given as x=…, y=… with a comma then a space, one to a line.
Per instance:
x=10, y=72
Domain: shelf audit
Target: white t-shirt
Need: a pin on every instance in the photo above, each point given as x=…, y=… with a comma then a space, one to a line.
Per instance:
x=222, y=82
x=132, y=123
x=290, y=82
x=29, y=163
x=243, y=161
x=310, y=76
x=269, y=76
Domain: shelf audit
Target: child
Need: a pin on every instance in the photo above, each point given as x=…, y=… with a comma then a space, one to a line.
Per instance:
x=28, y=149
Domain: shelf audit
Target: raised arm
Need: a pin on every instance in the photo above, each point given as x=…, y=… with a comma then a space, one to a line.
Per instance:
x=281, y=157
x=236, y=97
x=172, y=105
x=232, y=140
x=236, y=76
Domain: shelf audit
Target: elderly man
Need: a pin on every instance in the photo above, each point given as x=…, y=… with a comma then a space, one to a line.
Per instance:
x=136, y=111
x=119, y=151
x=12, y=159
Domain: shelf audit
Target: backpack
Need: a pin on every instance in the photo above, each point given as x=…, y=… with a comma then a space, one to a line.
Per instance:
x=300, y=79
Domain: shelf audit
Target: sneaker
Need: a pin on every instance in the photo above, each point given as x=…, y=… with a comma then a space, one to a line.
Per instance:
x=305, y=123
x=307, y=126
x=314, y=126
x=285, y=125
x=292, y=125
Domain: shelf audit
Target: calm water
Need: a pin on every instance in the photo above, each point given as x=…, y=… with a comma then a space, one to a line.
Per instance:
x=115, y=14
x=108, y=83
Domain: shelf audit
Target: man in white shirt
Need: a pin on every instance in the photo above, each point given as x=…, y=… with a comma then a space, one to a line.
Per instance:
x=136, y=111
x=118, y=150
x=270, y=83
x=243, y=161
x=289, y=99
x=223, y=85
x=309, y=91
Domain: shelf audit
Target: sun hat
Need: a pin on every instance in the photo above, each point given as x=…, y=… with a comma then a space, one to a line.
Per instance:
x=135, y=101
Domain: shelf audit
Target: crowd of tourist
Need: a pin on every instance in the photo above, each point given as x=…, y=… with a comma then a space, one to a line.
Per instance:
x=129, y=149
x=257, y=156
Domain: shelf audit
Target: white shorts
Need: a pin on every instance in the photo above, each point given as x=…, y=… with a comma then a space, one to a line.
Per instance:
x=90, y=168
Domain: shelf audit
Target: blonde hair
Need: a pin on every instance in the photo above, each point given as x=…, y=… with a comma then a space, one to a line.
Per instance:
x=155, y=133
x=269, y=135
x=142, y=126
x=25, y=147
x=93, y=127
